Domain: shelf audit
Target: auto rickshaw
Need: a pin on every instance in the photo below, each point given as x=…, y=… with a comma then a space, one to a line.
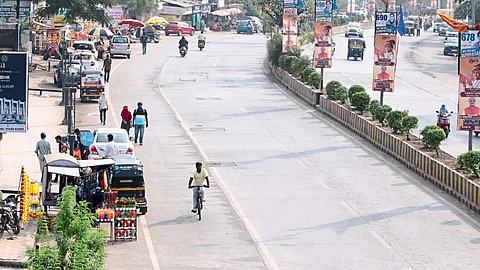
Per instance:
x=410, y=28
x=151, y=34
x=92, y=85
x=356, y=47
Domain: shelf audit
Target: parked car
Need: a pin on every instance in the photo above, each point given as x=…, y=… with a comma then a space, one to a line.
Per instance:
x=82, y=45
x=450, y=47
x=442, y=29
x=87, y=59
x=120, y=45
x=74, y=69
x=120, y=137
x=179, y=28
x=354, y=29
x=245, y=26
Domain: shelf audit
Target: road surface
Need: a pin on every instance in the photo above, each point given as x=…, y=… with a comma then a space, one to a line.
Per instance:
x=290, y=188
x=425, y=79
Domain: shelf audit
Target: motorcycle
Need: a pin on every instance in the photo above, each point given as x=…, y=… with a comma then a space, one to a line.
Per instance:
x=9, y=215
x=201, y=44
x=50, y=51
x=183, y=51
x=444, y=122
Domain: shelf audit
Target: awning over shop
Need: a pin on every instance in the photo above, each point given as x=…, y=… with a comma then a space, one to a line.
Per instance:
x=43, y=25
x=221, y=13
x=68, y=171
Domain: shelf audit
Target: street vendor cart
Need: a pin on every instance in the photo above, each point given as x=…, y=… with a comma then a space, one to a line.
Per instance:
x=92, y=85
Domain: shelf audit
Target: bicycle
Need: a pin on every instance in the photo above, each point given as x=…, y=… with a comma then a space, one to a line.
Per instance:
x=199, y=201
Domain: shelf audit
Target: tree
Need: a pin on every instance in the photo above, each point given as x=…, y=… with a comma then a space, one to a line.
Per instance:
x=306, y=72
x=435, y=137
x=408, y=123
x=274, y=49
x=395, y=120
x=314, y=79
x=360, y=101
x=137, y=8
x=274, y=12
x=300, y=66
x=470, y=161
x=89, y=10
x=374, y=104
x=355, y=89
x=381, y=112
x=77, y=245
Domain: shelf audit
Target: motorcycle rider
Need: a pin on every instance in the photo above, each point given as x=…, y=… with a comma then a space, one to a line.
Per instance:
x=183, y=43
x=443, y=110
x=201, y=37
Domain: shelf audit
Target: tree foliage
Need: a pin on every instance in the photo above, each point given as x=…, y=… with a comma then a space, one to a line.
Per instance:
x=300, y=65
x=77, y=245
x=408, y=124
x=470, y=161
x=433, y=137
x=360, y=100
x=381, y=113
x=314, y=79
x=374, y=104
x=89, y=10
x=274, y=49
x=395, y=120
x=355, y=89
x=306, y=72
x=138, y=7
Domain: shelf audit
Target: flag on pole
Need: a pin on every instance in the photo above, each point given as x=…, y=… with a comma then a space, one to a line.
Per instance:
x=456, y=25
x=401, y=23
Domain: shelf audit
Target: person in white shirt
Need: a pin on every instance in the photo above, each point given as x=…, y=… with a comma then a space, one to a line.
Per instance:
x=111, y=148
x=103, y=107
x=201, y=39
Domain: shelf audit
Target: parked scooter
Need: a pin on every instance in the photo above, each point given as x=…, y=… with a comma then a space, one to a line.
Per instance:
x=201, y=44
x=444, y=122
x=9, y=219
x=183, y=51
x=50, y=51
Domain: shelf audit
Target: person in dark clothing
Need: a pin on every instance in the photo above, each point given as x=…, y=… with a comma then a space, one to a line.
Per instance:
x=143, y=40
x=107, y=65
x=78, y=145
x=183, y=43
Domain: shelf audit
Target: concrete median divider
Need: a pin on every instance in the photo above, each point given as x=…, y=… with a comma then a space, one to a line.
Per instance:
x=434, y=171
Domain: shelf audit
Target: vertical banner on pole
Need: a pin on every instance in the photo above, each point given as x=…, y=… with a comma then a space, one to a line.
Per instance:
x=385, y=55
x=322, y=54
x=469, y=82
x=290, y=21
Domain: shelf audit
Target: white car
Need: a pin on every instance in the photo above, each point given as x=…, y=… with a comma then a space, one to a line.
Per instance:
x=87, y=59
x=120, y=137
x=354, y=29
x=81, y=45
x=120, y=45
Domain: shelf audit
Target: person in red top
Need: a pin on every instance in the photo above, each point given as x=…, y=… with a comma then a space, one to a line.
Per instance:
x=383, y=75
x=323, y=54
x=471, y=110
x=126, y=119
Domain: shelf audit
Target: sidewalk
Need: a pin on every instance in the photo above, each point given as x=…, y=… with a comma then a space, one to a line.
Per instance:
x=17, y=150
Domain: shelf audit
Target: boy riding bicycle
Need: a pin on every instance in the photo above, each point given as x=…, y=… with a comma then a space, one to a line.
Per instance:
x=199, y=177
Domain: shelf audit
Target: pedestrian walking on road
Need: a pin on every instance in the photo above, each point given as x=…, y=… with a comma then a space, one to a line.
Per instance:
x=126, y=119
x=42, y=149
x=103, y=107
x=107, y=65
x=140, y=121
x=143, y=40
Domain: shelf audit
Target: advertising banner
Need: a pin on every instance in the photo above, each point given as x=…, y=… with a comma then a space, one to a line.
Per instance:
x=13, y=92
x=384, y=62
x=116, y=13
x=469, y=82
x=9, y=13
x=386, y=23
x=290, y=21
x=323, y=44
x=323, y=10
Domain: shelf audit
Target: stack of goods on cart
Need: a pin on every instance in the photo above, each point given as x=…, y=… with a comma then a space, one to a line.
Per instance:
x=104, y=214
x=126, y=218
x=34, y=199
x=25, y=198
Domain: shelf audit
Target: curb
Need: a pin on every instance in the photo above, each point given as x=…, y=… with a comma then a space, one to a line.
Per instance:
x=12, y=263
x=444, y=177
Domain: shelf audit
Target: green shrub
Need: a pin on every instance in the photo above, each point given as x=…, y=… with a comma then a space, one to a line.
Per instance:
x=342, y=94
x=395, y=120
x=381, y=113
x=373, y=105
x=306, y=72
x=300, y=65
x=314, y=79
x=355, y=89
x=308, y=38
x=274, y=49
x=435, y=137
x=332, y=86
x=470, y=161
x=425, y=130
x=281, y=61
x=409, y=122
x=360, y=101
x=289, y=62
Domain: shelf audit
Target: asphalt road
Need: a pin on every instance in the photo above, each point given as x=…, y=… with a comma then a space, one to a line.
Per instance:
x=424, y=79
x=290, y=188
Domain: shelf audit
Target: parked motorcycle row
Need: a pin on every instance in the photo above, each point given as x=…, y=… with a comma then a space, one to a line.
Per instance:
x=9, y=219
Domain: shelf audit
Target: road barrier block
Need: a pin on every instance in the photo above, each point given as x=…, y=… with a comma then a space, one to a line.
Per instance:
x=446, y=178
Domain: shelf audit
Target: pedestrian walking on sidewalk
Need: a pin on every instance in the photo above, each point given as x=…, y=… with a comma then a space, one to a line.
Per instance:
x=126, y=119
x=103, y=107
x=107, y=66
x=42, y=149
x=143, y=40
x=140, y=122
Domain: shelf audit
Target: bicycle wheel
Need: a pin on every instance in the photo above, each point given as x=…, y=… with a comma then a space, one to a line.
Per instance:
x=199, y=207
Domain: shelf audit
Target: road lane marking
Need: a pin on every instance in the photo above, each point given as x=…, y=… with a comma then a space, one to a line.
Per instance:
x=262, y=249
x=380, y=239
x=349, y=208
x=148, y=240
